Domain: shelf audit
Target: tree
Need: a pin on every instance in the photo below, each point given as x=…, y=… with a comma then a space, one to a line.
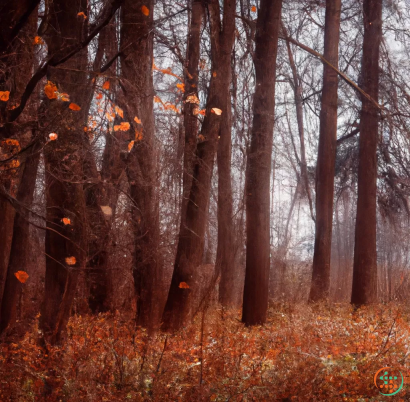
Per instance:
x=191, y=237
x=364, y=289
x=325, y=168
x=255, y=299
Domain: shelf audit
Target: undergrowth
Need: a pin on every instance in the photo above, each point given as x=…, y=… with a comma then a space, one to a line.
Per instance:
x=303, y=353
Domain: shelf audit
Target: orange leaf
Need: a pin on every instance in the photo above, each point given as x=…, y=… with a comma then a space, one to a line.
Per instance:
x=138, y=135
x=64, y=97
x=124, y=126
x=216, y=111
x=99, y=96
x=253, y=9
x=38, y=41
x=214, y=74
x=137, y=120
x=21, y=276
x=66, y=221
x=183, y=285
x=130, y=145
x=106, y=85
x=145, y=10
x=74, y=106
x=119, y=111
x=70, y=260
x=82, y=15
x=53, y=136
x=51, y=90
x=4, y=96
x=181, y=87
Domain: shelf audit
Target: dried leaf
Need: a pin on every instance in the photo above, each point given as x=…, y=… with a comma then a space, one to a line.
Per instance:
x=106, y=85
x=253, y=9
x=38, y=41
x=109, y=116
x=138, y=135
x=99, y=96
x=53, y=136
x=124, y=126
x=66, y=221
x=119, y=111
x=183, y=285
x=74, y=106
x=216, y=111
x=64, y=97
x=137, y=120
x=130, y=146
x=21, y=276
x=181, y=87
x=106, y=210
x=51, y=90
x=214, y=74
x=4, y=96
x=192, y=99
x=70, y=260
x=145, y=10
x=82, y=15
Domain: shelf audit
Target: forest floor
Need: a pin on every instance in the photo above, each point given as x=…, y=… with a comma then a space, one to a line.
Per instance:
x=303, y=353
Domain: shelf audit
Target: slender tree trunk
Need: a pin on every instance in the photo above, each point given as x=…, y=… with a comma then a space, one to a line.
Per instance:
x=21, y=243
x=65, y=243
x=191, y=237
x=364, y=289
x=255, y=299
x=136, y=64
x=190, y=109
x=325, y=170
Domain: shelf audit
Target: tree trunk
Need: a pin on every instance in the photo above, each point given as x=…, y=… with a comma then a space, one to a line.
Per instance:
x=325, y=170
x=65, y=243
x=136, y=66
x=191, y=237
x=256, y=290
x=364, y=289
x=20, y=244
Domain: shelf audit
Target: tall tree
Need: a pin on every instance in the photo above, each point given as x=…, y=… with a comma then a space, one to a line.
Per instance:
x=191, y=237
x=65, y=235
x=137, y=85
x=255, y=299
x=364, y=289
x=325, y=168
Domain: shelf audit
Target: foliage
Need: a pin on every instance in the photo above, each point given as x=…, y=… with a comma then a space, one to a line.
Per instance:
x=303, y=353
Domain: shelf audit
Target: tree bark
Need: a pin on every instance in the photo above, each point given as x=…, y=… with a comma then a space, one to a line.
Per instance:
x=136, y=63
x=20, y=243
x=256, y=290
x=65, y=243
x=325, y=170
x=364, y=289
x=191, y=237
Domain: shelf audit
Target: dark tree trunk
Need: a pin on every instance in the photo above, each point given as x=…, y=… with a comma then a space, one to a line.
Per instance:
x=191, y=237
x=191, y=89
x=20, y=244
x=65, y=243
x=364, y=289
x=255, y=299
x=325, y=170
x=136, y=64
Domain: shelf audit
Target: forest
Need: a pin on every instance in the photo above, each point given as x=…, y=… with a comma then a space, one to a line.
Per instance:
x=204, y=200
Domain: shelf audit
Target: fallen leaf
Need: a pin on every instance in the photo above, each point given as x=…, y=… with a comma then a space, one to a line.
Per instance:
x=106, y=85
x=216, y=111
x=145, y=10
x=70, y=260
x=137, y=120
x=130, y=146
x=119, y=111
x=82, y=15
x=38, y=41
x=66, y=221
x=183, y=285
x=51, y=90
x=4, y=96
x=74, y=106
x=53, y=136
x=21, y=276
x=124, y=126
